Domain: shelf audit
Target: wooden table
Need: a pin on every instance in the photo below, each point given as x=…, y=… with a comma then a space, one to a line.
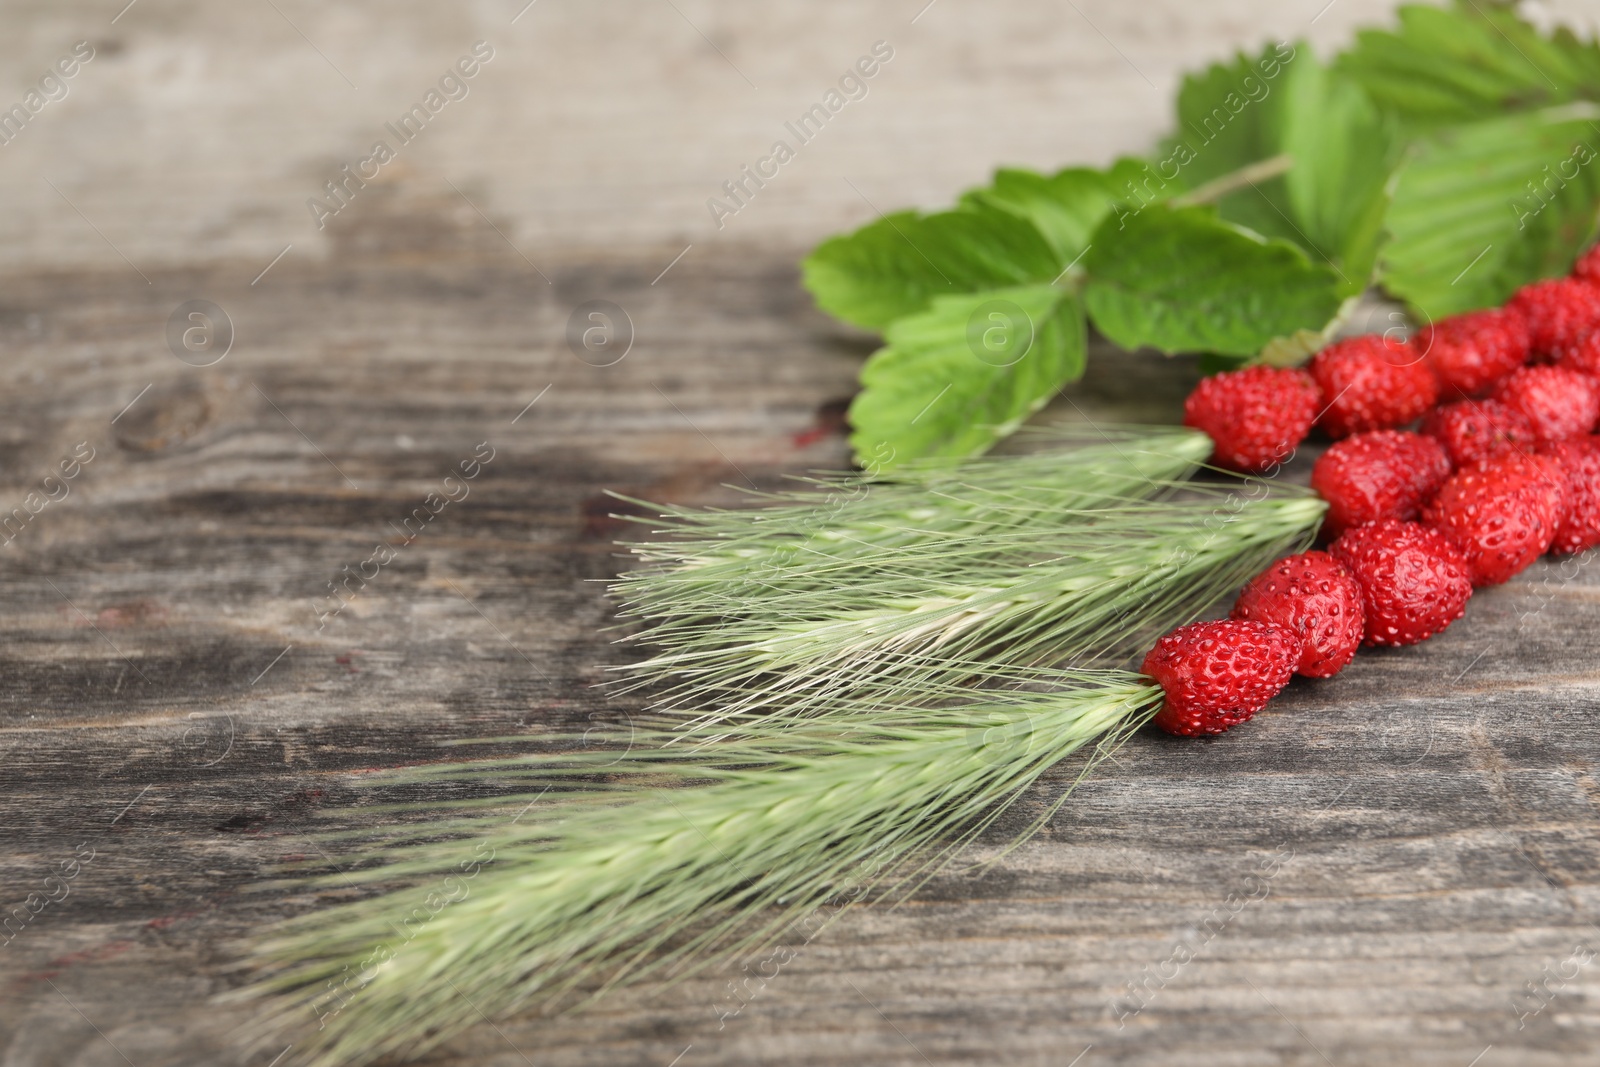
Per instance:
x=1399, y=865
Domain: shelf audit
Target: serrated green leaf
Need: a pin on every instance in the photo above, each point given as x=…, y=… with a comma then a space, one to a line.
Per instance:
x=956, y=378
x=1224, y=116
x=895, y=266
x=1183, y=280
x=1065, y=206
x=1474, y=61
x=1228, y=118
x=1284, y=102
x=1483, y=209
x=1345, y=152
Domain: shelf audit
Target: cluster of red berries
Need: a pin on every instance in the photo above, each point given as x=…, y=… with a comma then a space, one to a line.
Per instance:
x=1503, y=470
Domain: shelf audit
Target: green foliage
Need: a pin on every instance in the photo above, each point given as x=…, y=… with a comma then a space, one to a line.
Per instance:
x=921, y=277
x=1345, y=152
x=1483, y=209
x=966, y=372
x=897, y=265
x=1228, y=117
x=1473, y=61
x=1183, y=280
x=970, y=354
x=1283, y=102
x=1066, y=207
x=1429, y=134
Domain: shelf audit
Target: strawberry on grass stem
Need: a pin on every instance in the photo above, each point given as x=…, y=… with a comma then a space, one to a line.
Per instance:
x=1255, y=417
x=1500, y=513
x=1469, y=353
x=1558, y=312
x=1588, y=265
x=1558, y=402
x=1382, y=474
x=1372, y=383
x=1413, y=581
x=1471, y=430
x=1578, y=527
x=1317, y=599
x=1217, y=675
x=1583, y=355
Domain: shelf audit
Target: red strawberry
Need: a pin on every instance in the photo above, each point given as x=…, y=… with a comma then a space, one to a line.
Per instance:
x=1372, y=383
x=1471, y=352
x=1588, y=265
x=1471, y=430
x=1559, y=402
x=1255, y=416
x=1385, y=474
x=1583, y=355
x=1500, y=513
x=1558, y=312
x=1413, y=581
x=1317, y=599
x=1218, y=674
x=1579, y=525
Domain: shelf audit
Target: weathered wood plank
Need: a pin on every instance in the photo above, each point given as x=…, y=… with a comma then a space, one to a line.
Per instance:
x=1433, y=808
x=199, y=134
x=171, y=703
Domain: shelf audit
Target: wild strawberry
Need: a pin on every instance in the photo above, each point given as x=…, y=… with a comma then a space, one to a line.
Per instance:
x=1558, y=312
x=1471, y=430
x=1385, y=474
x=1500, y=513
x=1255, y=416
x=1588, y=265
x=1559, y=402
x=1578, y=528
x=1413, y=581
x=1218, y=674
x=1469, y=353
x=1318, y=600
x=1583, y=355
x=1372, y=383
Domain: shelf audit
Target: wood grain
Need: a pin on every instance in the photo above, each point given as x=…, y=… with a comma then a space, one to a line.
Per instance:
x=1428, y=817
x=1433, y=808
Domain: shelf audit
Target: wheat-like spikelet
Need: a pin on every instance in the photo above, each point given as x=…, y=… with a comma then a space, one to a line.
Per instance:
x=838, y=516
x=1091, y=582
x=575, y=890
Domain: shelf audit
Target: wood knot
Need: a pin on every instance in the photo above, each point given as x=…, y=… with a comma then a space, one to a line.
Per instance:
x=165, y=418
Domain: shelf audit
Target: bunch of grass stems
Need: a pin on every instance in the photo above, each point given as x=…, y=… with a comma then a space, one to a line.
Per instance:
x=855, y=686
x=1058, y=557
x=602, y=872
x=837, y=516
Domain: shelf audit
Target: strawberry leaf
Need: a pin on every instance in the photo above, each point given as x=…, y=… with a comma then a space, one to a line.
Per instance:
x=967, y=371
x=1228, y=118
x=1066, y=206
x=1284, y=103
x=1485, y=208
x=1345, y=152
x=1476, y=60
x=895, y=266
x=1183, y=280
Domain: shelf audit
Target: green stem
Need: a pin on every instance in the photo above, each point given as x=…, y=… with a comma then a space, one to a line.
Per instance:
x=1232, y=182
